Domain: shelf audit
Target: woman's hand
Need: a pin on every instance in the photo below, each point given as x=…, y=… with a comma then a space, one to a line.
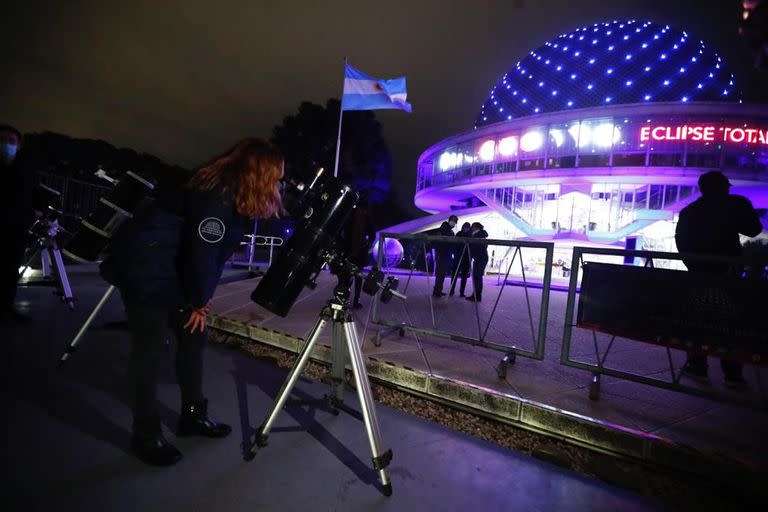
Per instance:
x=197, y=319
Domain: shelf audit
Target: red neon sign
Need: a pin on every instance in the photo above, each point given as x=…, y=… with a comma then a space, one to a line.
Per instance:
x=704, y=133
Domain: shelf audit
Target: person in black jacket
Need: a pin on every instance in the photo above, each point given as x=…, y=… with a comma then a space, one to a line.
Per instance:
x=712, y=225
x=462, y=264
x=479, y=262
x=443, y=255
x=17, y=213
x=166, y=262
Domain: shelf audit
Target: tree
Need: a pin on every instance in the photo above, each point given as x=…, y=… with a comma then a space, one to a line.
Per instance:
x=307, y=139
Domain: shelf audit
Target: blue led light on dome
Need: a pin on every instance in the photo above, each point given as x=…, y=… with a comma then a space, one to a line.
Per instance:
x=676, y=72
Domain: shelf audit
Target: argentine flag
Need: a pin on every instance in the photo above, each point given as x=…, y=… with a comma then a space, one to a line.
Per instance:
x=363, y=92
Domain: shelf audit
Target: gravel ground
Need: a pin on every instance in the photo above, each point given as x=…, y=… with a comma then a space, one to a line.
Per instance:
x=677, y=490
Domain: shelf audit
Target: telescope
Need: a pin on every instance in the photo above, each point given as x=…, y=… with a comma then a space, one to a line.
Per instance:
x=97, y=229
x=321, y=211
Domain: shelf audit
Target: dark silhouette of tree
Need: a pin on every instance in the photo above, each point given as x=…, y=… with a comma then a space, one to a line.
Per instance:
x=308, y=141
x=81, y=158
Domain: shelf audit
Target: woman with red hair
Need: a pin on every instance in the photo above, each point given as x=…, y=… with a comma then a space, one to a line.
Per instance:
x=166, y=262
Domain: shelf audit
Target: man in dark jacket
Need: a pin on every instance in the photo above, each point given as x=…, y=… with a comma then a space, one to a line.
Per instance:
x=712, y=225
x=443, y=253
x=479, y=262
x=16, y=216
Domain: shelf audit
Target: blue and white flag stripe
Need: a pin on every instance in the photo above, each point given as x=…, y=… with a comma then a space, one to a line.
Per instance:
x=363, y=92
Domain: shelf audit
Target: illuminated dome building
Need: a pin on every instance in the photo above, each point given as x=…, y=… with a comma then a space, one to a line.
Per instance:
x=598, y=137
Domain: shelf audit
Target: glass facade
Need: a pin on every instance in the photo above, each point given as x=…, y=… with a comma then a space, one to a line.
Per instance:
x=591, y=207
x=648, y=141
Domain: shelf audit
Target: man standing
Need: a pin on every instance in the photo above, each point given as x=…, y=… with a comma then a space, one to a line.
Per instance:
x=479, y=262
x=16, y=215
x=712, y=225
x=443, y=252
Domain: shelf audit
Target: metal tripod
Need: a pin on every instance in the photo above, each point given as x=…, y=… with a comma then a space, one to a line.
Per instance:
x=344, y=337
x=50, y=256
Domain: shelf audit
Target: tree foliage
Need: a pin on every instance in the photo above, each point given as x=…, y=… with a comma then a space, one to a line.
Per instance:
x=308, y=141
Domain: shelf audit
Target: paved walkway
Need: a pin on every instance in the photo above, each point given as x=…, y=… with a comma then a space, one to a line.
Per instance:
x=66, y=432
x=730, y=431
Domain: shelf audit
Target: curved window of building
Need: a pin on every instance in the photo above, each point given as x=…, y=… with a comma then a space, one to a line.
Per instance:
x=532, y=148
x=704, y=143
x=666, y=141
x=743, y=149
x=562, y=145
x=595, y=140
x=631, y=148
x=485, y=154
x=506, y=153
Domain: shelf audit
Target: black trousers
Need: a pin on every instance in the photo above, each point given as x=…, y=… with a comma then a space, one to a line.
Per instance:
x=442, y=269
x=149, y=326
x=478, y=269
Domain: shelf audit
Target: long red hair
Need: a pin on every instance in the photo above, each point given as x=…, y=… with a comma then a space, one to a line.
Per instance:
x=250, y=173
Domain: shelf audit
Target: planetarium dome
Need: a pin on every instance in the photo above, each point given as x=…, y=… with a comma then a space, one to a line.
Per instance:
x=610, y=63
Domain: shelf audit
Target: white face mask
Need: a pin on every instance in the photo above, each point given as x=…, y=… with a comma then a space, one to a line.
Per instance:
x=8, y=151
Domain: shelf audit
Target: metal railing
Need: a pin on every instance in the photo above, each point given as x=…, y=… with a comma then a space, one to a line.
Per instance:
x=480, y=336
x=670, y=378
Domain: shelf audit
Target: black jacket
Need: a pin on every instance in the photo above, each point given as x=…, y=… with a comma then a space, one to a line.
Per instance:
x=463, y=256
x=444, y=249
x=480, y=251
x=172, y=253
x=712, y=226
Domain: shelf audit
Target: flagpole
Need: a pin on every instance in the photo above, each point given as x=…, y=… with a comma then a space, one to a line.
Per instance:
x=341, y=115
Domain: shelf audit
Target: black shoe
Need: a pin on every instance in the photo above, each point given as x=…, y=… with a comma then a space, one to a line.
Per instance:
x=695, y=372
x=357, y=305
x=462, y=295
x=472, y=298
x=438, y=294
x=154, y=449
x=451, y=293
x=194, y=421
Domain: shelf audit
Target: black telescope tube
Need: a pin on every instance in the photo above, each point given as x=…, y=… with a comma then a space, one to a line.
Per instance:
x=320, y=217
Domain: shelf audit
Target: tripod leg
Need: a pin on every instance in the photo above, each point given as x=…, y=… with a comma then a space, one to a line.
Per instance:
x=263, y=433
x=61, y=276
x=73, y=344
x=381, y=459
x=338, y=362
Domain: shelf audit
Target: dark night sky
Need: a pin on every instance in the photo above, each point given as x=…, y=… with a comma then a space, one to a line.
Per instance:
x=185, y=79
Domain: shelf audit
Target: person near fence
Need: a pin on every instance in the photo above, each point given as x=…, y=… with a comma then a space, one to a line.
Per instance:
x=479, y=262
x=17, y=201
x=166, y=262
x=462, y=263
x=711, y=225
x=443, y=255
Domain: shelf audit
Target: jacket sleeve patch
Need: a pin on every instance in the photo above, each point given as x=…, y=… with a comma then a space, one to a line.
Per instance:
x=211, y=230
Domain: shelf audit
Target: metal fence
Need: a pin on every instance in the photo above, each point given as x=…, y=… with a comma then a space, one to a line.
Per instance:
x=601, y=342
x=477, y=324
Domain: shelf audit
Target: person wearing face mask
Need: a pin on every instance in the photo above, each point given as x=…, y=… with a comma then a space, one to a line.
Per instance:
x=16, y=215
